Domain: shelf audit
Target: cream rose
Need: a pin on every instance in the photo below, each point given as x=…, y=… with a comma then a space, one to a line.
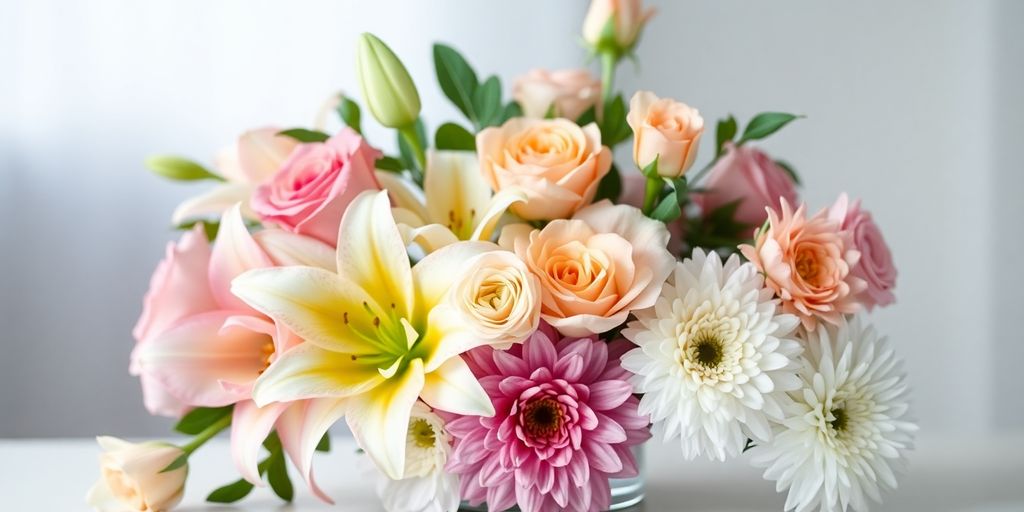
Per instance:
x=570, y=91
x=131, y=477
x=595, y=268
x=666, y=129
x=499, y=297
x=556, y=163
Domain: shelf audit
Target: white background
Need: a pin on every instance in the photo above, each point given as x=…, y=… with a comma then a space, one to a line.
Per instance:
x=915, y=106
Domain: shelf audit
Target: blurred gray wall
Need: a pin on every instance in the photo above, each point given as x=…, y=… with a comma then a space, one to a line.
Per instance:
x=914, y=106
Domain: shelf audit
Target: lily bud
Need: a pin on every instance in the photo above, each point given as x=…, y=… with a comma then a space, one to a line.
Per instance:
x=387, y=88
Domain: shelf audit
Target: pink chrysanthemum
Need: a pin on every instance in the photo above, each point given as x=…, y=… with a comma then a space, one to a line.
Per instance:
x=564, y=424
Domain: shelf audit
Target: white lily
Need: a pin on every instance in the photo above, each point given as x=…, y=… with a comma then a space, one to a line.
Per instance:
x=456, y=203
x=378, y=332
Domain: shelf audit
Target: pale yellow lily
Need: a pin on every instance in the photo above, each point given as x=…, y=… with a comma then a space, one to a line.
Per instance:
x=377, y=331
x=456, y=203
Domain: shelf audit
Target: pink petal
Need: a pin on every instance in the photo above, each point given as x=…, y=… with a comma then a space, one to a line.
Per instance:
x=250, y=425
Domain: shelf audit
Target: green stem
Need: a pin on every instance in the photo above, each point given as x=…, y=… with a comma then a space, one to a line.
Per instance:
x=412, y=139
x=651, y=192
x=608, y=62
x=207, y=434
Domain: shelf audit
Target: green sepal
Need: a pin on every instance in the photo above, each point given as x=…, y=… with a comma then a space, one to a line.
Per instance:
x=179, y=169
x=668, y=209
x=350, y=114
x=325, y=443
x=650, y=171
x=550, y=113
x=176, y=463
x=453, y=136
x=230, y=493
x=210, y=227
x=765, y=124
x=304, y=135
x=201, y=418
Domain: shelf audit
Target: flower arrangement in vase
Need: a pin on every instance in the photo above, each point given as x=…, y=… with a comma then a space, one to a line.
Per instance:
x=502, y=315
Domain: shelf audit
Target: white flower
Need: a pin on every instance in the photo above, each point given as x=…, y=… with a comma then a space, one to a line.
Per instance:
x=715, y=357
x=847, y=431
x=425, y=486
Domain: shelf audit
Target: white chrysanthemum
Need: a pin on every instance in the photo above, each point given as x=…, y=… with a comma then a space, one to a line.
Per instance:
x=425, y=486
x=847, y=431
x=715, y=357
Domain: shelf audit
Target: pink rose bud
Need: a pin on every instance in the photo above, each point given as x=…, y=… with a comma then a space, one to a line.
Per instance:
x=875, y=266
x=570, y=91
x=627, y=19
x=748, y=175
x=665, y=129
x=311, y=191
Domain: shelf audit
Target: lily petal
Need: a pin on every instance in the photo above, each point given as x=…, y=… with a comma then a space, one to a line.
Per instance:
x=301, y=427
x=308, y=371
x=292, y=249
x=319, y=306
x=250, y=425
x=380, y=419
x=430, y=237
x=456, y=193
x=454, y=388
x=214, y=202
x=192, y=357
x=495, y=210
x=234, y=252
x=371, y=253
x=404, y=194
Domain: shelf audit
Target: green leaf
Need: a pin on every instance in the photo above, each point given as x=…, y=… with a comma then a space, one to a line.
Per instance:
x=487, y=100
x=668, y=209
x=789, y=170
x=211, y=227
x=512, y=109
x=230, y=493
x=349, y=112
x=610, y=187
x=389, y=163
x=765, y=124
x=651, y=170
x=325, y=443
x=588, y=116
x=304, y=135
x=614, y=128
x=176, y=463
x=200, y=418
x=453, y=136
x=725, y=132
x=457, y=79
x=277, y=476
x=179, y=169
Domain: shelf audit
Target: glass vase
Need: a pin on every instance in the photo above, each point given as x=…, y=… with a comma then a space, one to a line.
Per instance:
x=626, y=492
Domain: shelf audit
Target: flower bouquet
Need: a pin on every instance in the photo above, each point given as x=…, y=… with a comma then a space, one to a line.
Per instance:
x=502, y=315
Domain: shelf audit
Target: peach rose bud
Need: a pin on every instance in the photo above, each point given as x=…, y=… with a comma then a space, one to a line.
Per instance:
x=132, y=477
x=627, y=18
x=570, y=91
x=666, y=129
x=555, y=162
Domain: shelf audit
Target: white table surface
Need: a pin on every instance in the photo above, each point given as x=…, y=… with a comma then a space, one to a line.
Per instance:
x=985, y=474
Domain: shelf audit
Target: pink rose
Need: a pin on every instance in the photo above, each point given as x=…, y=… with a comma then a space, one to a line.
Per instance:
x=807, y=262
x=571, y=91
x=748, y=175
x=311, y=191
x=875, y=265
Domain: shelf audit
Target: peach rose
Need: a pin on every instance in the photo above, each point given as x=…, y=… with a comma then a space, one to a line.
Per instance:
x=807, y=262
x=748, y=175
x=555, y=162
x=132, y=477
x=595, y=268
x=666, y=129
x=571, y=91
x=628, y=18
x=499, y=297
x=310, y=192
x=875, y=265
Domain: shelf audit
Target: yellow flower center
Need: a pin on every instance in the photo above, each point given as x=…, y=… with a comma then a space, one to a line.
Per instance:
x=422, y=433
